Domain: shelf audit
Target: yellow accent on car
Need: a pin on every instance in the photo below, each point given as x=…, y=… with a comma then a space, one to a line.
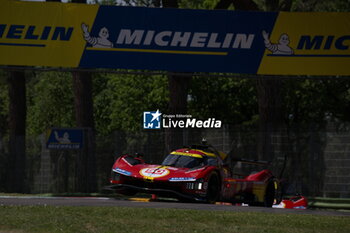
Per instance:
x=259, y=191
x=207, y=153
x=148, y=178
x=139, y=199
x=186, y=154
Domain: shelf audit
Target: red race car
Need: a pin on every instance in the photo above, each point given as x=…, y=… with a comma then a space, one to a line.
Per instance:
x=194, y=173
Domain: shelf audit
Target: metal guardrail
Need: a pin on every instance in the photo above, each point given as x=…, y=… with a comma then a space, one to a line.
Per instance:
x=329, y=203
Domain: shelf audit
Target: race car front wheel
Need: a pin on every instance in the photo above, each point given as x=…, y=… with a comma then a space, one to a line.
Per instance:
x=213, y=188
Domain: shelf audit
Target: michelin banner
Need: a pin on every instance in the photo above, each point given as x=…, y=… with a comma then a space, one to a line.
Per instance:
x=92, y=36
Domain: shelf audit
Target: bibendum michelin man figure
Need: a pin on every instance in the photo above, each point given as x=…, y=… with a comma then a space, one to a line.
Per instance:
x=282, y=48
x=97, y=42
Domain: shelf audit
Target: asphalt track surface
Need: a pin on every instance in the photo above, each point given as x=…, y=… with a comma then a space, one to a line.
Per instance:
x=111, y=202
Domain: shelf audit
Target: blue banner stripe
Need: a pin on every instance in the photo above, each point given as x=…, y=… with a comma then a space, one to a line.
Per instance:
x=176, y=39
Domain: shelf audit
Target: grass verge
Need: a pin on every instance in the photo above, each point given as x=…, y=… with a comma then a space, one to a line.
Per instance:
x=23, y=219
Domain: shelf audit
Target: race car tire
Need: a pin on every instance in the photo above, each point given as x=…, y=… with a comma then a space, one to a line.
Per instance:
x=213, y=189
x=269, y=194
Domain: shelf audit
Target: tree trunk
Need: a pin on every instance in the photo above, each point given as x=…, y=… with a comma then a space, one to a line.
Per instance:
x=86, y=160
x=86, y=180
x=272, y=128
x=82, y=83
x=270, y=116
x=178, y=91
x=17, y=131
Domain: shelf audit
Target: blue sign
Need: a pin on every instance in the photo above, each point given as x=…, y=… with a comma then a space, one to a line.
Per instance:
x=152, y=120
x=176, y=40
x=65, y=139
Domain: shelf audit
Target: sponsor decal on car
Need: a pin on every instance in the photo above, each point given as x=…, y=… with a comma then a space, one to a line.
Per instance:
x=154, y=172
x=177, y=179
x=121, y=171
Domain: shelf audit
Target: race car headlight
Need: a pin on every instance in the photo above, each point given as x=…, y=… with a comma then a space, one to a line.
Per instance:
x=190, y=185
x=195, y=186
x=198, y=185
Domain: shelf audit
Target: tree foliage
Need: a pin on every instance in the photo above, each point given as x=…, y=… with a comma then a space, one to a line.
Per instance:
x=316, y=100
x=119, y=101
x=321, y=5
x=50, y=102
x=198, y=4
x=129, y=96
x=232, y=100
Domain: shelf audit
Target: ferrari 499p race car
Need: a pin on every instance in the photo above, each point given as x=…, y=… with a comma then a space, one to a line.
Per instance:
x=194, y=173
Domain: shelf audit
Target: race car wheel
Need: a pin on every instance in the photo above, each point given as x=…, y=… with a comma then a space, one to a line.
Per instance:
x=269, y=194
x=213, y=188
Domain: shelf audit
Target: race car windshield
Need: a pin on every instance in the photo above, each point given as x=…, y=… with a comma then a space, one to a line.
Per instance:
x=182, y=161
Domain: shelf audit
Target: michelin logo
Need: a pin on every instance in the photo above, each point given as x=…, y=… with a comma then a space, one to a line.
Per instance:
x=151, y=120
x=97, y=42
x=169, y=38
x=280, y=48
x=307, y=43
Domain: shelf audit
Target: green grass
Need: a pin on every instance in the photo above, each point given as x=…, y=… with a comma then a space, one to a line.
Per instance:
x=21, y=219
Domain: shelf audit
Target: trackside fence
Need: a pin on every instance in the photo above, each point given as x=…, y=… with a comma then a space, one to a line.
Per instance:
x=311, y=160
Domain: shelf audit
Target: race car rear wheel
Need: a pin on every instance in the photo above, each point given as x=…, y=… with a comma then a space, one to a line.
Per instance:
x=269, y=194
x=213, y=188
